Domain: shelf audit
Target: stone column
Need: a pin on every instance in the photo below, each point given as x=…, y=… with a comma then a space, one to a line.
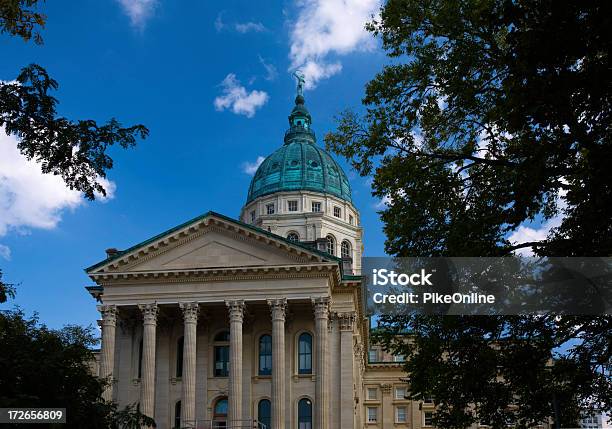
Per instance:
x=190, y=319
x=236, y=316
x=321, y=311
x=147, y=381
x=278, y=307
x=107, y=358
x=346, y=322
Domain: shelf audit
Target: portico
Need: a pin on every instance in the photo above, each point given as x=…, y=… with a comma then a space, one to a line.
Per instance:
x=238, y=411
x=288, y=294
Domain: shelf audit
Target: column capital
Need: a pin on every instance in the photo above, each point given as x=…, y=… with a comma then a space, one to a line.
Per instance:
x=278, y=307
x=346, y=320
x=190, y=311
x=149, y=313
x=236, y=310
x=321, y=307
x=109, y=314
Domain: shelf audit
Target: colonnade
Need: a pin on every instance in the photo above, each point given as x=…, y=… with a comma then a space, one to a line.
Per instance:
x=236, y=309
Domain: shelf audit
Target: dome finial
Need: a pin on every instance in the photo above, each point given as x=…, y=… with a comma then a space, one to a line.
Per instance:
x=299, y=99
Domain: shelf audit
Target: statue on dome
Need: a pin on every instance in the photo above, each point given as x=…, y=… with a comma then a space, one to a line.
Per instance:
x=300, y=82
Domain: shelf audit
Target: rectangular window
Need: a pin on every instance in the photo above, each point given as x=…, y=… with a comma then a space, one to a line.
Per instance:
x=337, y=212
x=372, y=393
x=270, y=209
x=316, y=207
x=400, y=393
x=221, y=361
x=292, y=206
x=399, y=358
x=372, y=355
x=372, y=414
x=400, y=415
x=253, y=216
x=351, y=220
x=428, y=418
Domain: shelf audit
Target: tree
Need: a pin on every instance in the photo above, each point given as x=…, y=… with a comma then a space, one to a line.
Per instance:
x=19, y=18
x=51, y=368
x=492, y=113
x=75, y=150
x=503, y=370
x=7, y=290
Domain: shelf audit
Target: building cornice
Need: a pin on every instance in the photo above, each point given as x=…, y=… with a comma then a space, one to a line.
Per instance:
x=220, y=274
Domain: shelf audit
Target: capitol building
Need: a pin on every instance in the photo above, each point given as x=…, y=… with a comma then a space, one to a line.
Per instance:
x=256, y=322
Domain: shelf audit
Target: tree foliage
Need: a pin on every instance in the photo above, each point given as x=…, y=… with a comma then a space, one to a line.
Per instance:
x=75, y=150
x=43, y=367
x=20, y=18
x=498, y=371
x=491, y=113
x=7, y=290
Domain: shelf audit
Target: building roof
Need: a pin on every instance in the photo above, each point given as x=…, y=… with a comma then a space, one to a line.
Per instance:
x=326, y=256
x=300, y=164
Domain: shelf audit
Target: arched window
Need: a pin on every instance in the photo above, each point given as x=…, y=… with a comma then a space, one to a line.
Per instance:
x=264, y=413
x=293, y=236
x=305, y=353
x=177, y=415
x=265, y=355
x=345, y=249
x=220, y=413
x=140, y=359
x=305, y=414
x=331, y=245
x=179, y=356
x=221, y=354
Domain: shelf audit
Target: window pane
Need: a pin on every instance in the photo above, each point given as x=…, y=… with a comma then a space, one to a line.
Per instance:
x=305, y=414
x=177, y=415
x=221, y=361
x=221, y=407
x=331, y=245
x=400, y=415
x=264, y=412
x=400, y=393
x=305, y=354
x=265, y=355
x=372, y=414
x=346, y=249
x=179, y=357
x=372, y=393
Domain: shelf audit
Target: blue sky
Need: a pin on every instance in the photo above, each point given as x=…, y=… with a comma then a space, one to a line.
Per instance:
x=211, y=81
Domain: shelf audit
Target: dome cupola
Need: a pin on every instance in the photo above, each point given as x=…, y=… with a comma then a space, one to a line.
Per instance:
x=300, y=164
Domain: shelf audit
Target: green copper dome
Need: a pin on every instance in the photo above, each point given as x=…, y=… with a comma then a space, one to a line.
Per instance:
x=300, y=164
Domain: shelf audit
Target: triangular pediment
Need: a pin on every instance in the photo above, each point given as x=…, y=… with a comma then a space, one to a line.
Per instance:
x=211, y=241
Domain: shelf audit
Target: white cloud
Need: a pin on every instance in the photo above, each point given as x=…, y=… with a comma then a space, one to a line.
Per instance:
x=236, y=98
x=250, y=168
x=384, y=202
x=526, y=233
x=247, y=27
x=271, y=72
x=219, y=24
x=329, y=27
x=5, y=252
x=29, y=198
x=139, y=11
